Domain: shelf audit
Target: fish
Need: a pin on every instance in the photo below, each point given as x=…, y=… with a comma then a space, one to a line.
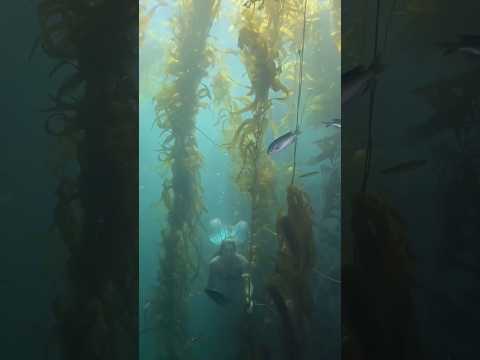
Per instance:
x=359, y=79
x=205, y=91
x=311, y=173
x=217, y=296
x=471, y=50
x=327, y=277
x=334, y=122
x=282, y=142
x=267, y=229
x=404, y=166
x=467, y=43
x=192, y=341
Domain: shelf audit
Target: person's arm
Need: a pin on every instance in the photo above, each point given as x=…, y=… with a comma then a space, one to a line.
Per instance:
x=248, y=286
x=248, y=291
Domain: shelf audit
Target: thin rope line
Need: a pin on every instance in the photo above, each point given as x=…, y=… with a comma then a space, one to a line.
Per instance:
x=387, y=30
x=300, y=82
x=368, y=156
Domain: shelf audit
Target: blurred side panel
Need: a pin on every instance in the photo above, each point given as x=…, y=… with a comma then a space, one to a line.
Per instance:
x=69, y=190
x=410, y=179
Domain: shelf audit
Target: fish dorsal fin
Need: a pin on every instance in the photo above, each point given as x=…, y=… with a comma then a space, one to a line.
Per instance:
x=348, y=75
x=286, y=135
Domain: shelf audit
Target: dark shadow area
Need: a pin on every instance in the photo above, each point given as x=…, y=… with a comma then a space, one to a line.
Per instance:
x=32, y=261
x=70, y=180
x=410, y=241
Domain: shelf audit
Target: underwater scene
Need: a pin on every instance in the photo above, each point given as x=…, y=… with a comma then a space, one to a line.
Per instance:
x=410, y=184
x=239, y=185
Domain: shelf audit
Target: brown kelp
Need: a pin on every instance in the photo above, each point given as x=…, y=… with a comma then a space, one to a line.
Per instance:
x=377, y=285
x=176, y=105
x=269, y=39
x=267, y=36
x=145, y=17
x=152, y=49
x=337, y=19
x=95, y=119
x=257, y=33
x=290, y=284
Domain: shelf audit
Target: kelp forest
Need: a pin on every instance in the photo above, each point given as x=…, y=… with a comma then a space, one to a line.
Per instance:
x=219, y=82
x=410, y=198
x=92, y=116
x=241, y=179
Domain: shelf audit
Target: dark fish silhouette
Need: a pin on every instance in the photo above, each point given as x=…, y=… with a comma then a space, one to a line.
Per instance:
x=309, y=174
x=358, y=80
x=282, y=142
x=404, y=167
x=217, y=296
x=466, y=43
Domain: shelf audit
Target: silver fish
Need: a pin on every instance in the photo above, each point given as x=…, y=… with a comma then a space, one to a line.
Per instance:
x=404, y=167
x=471, y=50
x=334, y=122
x=467, y=43
x=282, y=142
x=309, y=174
x=358, y=80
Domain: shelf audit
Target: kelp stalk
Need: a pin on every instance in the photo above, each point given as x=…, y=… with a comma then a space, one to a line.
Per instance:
x=96, y=213
x=290, y=283
x=378, y=307
x=299, y=98
x=176, y=106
